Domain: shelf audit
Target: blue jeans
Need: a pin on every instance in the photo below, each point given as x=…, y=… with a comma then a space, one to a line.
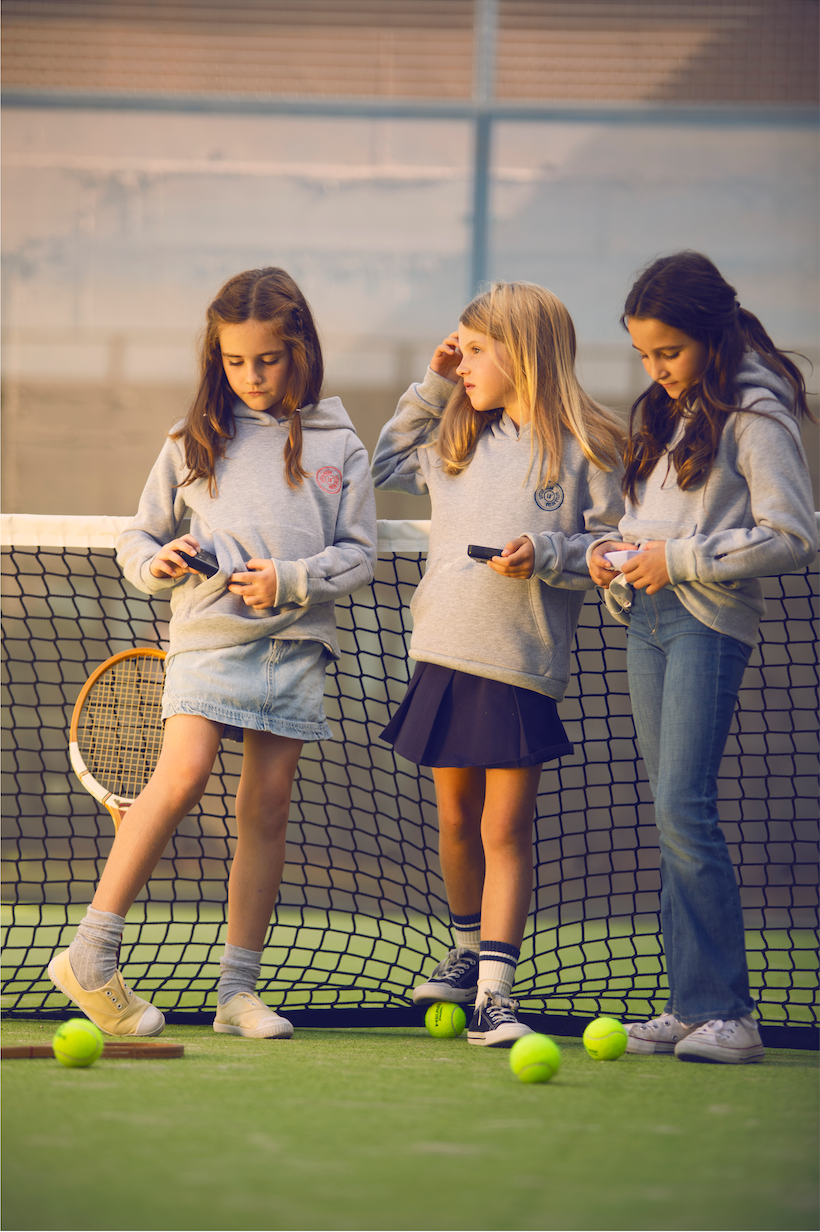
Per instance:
x=684, y=680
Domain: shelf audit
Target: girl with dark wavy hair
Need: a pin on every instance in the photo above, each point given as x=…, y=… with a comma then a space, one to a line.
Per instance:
x=718, y=495
x=277, y=487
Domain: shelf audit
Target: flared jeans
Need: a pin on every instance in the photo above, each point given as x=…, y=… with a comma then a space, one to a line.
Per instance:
x=684, y=680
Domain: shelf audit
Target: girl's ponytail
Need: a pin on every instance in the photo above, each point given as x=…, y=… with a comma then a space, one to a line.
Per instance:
x=272, y=296
x=294, y=472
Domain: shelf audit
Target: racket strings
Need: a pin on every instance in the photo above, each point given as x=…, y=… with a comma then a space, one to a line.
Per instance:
x=120, y=734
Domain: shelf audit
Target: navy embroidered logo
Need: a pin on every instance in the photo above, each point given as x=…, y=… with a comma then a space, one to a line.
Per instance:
x=549, y=498
x=329, y=479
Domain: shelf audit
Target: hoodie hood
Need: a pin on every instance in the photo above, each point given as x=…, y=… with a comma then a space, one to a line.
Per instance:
x=756, y=382
x=327, y=414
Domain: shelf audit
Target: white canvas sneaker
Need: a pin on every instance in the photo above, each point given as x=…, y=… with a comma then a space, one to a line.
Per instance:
x=659, y=1035
x=731, y=1041
x=247, y=1015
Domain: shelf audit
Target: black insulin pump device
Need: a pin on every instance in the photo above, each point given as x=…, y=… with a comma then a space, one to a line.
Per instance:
x=479, y=553
x=203, y=562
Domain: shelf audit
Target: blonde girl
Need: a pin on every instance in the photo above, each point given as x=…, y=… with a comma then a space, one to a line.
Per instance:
x=515, y=457
x=277, y=487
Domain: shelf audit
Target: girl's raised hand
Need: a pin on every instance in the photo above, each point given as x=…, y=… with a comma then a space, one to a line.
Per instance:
x=647, y=571
x=516, y=560
x=167, y=564
x=257, y=587
x=447, y=357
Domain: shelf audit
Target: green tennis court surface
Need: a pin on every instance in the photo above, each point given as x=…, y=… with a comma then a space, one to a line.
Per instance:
x=391, y=1129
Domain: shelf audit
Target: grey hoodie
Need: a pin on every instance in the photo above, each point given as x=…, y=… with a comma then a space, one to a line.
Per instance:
x=465, y=616
x=754, y=516
x=320, y=535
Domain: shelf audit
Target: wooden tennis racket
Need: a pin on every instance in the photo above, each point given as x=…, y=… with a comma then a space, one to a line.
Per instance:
x=125, y=1050
x=116, y=728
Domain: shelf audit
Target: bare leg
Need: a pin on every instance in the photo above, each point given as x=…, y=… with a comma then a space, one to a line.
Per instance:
x=189, y=747
x=507, y=833
x=460, y=801
x=262, y=808
x=485, y=845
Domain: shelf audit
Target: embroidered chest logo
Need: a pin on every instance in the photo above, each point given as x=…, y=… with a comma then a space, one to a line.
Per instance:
x=329, y=479
x=549, y=498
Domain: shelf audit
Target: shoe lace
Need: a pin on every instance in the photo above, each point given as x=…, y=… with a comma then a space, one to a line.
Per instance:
x=458, y=962
x=500, y=1009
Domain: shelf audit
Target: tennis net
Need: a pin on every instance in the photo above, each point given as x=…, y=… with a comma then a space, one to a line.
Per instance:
x=362, y=913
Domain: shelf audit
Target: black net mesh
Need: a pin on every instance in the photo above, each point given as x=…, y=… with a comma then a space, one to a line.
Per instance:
x=362, y=914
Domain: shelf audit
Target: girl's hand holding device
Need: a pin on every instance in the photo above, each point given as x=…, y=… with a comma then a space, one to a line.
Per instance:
x=601, y=569
x=257, y=588
x=647, y=569
x=168, y=563
x=516, y=559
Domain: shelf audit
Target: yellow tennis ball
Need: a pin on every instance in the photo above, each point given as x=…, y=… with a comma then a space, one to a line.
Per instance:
x=605, y=1039
x=445, y=1020
x=77, y=1042
x=535, y=1058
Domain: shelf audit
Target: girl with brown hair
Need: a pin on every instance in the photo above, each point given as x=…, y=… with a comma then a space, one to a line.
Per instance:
x=277, y=487
x=717, y=495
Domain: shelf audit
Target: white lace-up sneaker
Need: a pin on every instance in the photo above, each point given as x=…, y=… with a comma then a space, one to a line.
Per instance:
x=730, y=1041
x=658, y=1035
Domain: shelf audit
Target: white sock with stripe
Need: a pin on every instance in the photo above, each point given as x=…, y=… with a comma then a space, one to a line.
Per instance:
x=496, y=969
x=467, y=931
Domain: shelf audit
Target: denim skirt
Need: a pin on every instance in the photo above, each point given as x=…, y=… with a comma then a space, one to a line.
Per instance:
x=450, y=718
x=273, y=685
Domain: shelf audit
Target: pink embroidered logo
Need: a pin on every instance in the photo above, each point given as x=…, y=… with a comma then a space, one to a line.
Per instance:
x=329, y=479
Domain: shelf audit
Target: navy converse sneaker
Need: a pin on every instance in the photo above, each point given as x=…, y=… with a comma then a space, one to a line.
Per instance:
x=494, y=1023
x=454, y=979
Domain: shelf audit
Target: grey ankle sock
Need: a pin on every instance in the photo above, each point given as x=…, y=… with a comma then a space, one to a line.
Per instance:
x=95, y=949
x=239, y=972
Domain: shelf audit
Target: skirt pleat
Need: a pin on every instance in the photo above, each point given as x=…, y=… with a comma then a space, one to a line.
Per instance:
x=449, y=718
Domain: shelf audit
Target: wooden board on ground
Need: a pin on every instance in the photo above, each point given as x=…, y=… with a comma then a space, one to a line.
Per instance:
x=121, y=1050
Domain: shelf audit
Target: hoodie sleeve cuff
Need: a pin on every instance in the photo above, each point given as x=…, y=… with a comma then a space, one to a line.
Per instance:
x=435, y=390
x=154, y=585
x=543, y=550
x=291, y=582
x=613, y=538
x=681, y=562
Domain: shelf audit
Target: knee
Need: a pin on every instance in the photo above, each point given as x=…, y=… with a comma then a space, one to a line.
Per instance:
x=506, y=834
x=458, y=825
x=186, y=782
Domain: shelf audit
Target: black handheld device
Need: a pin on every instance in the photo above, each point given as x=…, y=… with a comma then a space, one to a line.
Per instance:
x=203, y=562
x=479, y=553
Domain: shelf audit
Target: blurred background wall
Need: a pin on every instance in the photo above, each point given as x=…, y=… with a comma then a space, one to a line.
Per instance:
x=390, y=154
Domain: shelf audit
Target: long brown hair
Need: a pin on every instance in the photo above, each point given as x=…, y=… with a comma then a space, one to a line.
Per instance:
x=268, y=295
x=687, y=292
x=539, y=337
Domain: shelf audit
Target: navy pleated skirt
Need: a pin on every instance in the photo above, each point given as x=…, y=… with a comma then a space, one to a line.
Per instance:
x=450, y=718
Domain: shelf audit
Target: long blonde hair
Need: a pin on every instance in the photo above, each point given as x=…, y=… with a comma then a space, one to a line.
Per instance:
x=537, y=332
